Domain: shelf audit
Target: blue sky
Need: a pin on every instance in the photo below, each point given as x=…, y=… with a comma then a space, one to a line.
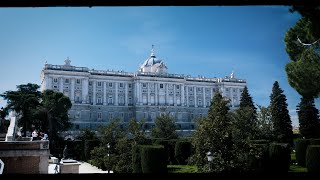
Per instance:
x=200, y=40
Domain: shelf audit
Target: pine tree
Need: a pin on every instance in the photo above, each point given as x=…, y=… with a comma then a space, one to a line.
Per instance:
x=214, y=134
x=165, y=127
x=245, y=118
x=282, y=125
x=308, y=118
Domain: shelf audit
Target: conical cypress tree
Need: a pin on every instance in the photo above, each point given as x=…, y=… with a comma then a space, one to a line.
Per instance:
x=308, y=118
x=282, y=125
x=246, y=116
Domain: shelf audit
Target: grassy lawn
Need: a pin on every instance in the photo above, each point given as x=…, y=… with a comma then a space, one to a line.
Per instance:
x=296, y=168
x=182, y=169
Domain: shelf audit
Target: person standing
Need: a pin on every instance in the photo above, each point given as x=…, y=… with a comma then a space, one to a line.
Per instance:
x=34, y=135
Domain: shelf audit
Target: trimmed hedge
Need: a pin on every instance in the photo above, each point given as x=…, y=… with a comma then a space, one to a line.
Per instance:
x=136, y=159
x=280, y=157
x=153, y=159
x=169, y=146
x=313, y=158
x=314, y=141
x=182, y=151
x=259, y=161
x=301, y=148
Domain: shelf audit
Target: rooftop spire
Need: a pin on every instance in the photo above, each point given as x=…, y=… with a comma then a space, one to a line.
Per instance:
x=152, y=51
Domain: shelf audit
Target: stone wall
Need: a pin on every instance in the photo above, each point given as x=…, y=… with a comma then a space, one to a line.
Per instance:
x=25, y=157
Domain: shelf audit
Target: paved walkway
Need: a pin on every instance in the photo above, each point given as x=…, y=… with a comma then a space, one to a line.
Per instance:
x=84, y=168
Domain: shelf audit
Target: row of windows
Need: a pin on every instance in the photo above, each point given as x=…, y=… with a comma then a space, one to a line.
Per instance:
x=110, y=84
x=67, y=81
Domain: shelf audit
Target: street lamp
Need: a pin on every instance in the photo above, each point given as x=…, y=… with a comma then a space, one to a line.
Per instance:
x=108, y=146
x=210, y=159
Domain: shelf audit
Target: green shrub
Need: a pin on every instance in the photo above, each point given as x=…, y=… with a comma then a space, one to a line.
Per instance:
x=89, y=145
x=182, y=151
x=280, y=157
x=259, y=161
x=314, y=141
x=301, y=148
x=313, y=158
x=260, y=141
x=169, y=146
x=153, y=159
x=136, y=159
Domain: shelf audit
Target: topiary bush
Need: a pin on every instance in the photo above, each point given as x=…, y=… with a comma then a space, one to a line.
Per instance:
x=314, y=141
x=169, y=146
x=259, y=161
x=182, y=152
x=136, y=159
x=313, y=158
x=301, y=148
x=153, y=159
x=280, y=157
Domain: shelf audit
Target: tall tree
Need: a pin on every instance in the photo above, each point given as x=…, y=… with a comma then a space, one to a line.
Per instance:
x=136, y=132
x=265, y=126
x=165, y=127
x=23, y=101
x=214, y=134
x=309, y=123
x=245, y=117
x=52, y=114
x=282, y=124
x=303, y=75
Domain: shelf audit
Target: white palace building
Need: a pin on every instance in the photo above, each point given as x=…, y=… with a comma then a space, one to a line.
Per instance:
x=99, y=96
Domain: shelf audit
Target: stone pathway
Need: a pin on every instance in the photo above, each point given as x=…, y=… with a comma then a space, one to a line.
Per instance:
x=84, y=168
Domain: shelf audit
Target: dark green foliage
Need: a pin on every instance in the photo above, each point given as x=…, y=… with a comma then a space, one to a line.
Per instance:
x=246, y=99
x=98, y=155
x=313, y=159
x=303, y=30
x=282, y=125
x=165, y=127
x=301, y=150
x=279, y=154
x=259, y=161
x=314, y=141
x=182, y=151
x=153, y=159
x=136, y=132
x=136, y=159
x=169, y=146
x=214, y=134
x=309, y=123
x=303, y=74
x=264, y=123
x=89, y=145
x=23, y=101
x=260, y=141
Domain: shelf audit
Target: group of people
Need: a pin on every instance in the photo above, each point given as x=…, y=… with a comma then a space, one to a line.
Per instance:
x=42, y=136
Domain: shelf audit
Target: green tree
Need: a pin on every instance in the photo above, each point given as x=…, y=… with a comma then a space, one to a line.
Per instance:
x=309, y=124
x=265, y=127
x=280, y=115
x=23, y=101
x=3, y=112
x=87, y=134
x=165, y=127
x=246, y=99
x=52, y=114
x=303, y=74
x=214, y=134
x=136, y=132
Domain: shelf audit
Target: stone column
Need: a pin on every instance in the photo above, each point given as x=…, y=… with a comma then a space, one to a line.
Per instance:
x=187, y=92
x=72, y=90
x=94, y=92
x=195, y=96
x=231, y=96
x=125, y=94
x=167, y=95
x=116, y=98
x=182, y=95
x=135, y=96
x=211, y=94
x=148, y=94
x=85, y=89
x=104, y=93
x=156, y=96
x=49, y=83
x=204, y=96
x=61, y=85
x=174, y=95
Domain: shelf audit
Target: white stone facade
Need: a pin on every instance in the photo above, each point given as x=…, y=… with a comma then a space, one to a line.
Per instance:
x=99, y=96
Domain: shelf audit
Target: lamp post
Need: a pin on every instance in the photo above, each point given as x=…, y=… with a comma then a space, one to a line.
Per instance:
x=108, y=146
x=210, y=159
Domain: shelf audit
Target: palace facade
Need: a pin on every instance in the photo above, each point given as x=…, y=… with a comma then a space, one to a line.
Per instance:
x=99, y=96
